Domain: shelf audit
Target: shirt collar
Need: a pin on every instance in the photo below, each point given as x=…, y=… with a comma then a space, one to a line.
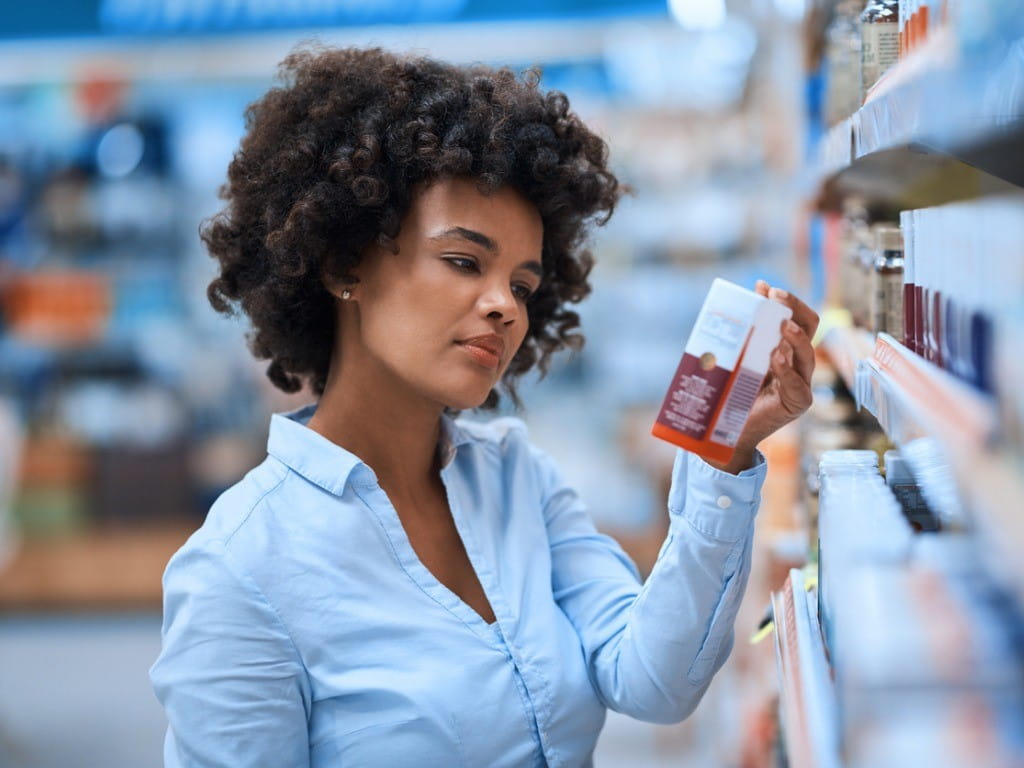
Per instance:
x=327, y=464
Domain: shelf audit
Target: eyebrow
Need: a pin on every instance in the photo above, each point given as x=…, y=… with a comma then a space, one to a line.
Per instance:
x=479, y=238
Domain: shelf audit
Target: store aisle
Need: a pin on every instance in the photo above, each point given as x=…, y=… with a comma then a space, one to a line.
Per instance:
x=75, y=692
x=627, y=742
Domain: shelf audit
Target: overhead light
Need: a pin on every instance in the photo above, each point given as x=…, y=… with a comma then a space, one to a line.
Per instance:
x=120, y=151
x=698, y=14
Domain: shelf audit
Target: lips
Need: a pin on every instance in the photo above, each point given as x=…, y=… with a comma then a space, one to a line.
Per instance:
x=488, y=348
x=492, y=342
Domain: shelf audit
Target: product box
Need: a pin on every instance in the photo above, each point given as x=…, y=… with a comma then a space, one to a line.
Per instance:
x=723, y=366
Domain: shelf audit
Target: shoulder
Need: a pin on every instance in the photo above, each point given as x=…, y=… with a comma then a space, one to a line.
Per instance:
x=237, y=511
x=234, y=508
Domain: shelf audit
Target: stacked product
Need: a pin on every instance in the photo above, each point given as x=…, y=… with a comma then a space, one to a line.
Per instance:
x=919, y=19
x=859, y=521
x=926, y=670
x=832, y=424
x=810, y=721
x=862, y=44
x=880, y=42
x=908, y=493
x=963, y=284
x=842, y=62
x=866, y=38
x=872, y=272
x=947, y=283
x=923, y=651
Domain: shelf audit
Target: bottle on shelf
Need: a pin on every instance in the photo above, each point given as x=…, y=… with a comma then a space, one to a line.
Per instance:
x=850, y=234
x=842, y=62
x=880, y=44
x=908, y=493
x=886, y=292
x=909, y=283
x=961, y=270
x=901, y=24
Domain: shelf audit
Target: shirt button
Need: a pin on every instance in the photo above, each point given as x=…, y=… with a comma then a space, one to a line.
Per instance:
x=724, y=502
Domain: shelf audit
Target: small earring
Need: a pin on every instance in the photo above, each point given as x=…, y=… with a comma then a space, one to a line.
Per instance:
x=346, y=294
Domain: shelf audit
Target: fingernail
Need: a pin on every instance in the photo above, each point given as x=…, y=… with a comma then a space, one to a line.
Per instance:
x=779, y=293
x=792, y=327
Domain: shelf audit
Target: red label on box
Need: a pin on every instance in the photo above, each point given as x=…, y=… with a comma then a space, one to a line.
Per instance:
x=693, y=397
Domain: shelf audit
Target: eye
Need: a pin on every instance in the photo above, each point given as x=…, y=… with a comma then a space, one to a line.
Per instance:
x=522, y=291
x=463, y=263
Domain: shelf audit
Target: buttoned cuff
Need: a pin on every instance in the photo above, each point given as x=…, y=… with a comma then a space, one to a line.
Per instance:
x=716, y=503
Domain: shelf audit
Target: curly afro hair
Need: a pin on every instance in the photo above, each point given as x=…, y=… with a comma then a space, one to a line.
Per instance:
x=330, y=163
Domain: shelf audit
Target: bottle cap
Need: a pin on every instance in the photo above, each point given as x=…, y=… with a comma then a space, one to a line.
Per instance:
x=896, y=469
x=843, y=459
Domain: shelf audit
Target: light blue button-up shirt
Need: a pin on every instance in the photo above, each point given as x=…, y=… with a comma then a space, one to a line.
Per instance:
x=301, y=629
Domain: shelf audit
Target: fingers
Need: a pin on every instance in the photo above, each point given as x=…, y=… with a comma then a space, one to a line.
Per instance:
x=794, y=392
x=797, y=332
x=800, y=343
x=803, y=315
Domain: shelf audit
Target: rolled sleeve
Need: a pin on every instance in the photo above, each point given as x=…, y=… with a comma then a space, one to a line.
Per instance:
x=716, y=503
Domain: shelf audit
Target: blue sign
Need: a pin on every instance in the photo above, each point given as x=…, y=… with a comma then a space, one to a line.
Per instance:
x=99, y=18
x=142, y=16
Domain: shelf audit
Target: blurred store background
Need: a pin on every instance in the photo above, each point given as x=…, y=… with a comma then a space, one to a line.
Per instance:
x=127, y=405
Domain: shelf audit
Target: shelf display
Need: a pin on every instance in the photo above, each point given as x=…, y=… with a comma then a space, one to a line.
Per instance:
x=943, y=124
x=967, y=281
x=903, y=695
x=920, y=217
x=865, y=697
x=808, y=702
x=948, y=433
x=880, y=41
x=859, y=520
x=846, y=345
x=947, y=390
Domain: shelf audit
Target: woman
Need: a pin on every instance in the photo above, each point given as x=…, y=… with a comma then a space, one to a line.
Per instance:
x=391, y=586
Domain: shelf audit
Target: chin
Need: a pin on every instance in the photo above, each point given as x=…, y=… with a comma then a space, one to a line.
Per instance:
x=463, y=392
x=465, y=395
x=467, y=401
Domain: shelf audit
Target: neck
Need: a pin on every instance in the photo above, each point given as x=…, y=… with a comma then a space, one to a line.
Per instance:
x=395, y=437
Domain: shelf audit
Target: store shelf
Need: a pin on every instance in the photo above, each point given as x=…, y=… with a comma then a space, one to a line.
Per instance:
x=937, y=129
x=102, y=570
x=948, y=433
x=922, y=396
x=846, y=346
x=808, y=700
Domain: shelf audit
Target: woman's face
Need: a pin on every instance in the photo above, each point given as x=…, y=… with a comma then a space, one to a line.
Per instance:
x=443, y=317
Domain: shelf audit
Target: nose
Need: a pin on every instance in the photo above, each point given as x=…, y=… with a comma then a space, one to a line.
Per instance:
x=499, y=303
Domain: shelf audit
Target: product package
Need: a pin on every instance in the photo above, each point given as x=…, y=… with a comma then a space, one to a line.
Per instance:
x=880, y=41
x=723, y=366
x=860, y=523
x=908, y=493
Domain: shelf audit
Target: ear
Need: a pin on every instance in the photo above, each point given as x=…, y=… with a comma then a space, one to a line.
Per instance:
x=335, y=281
x=337, y=285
